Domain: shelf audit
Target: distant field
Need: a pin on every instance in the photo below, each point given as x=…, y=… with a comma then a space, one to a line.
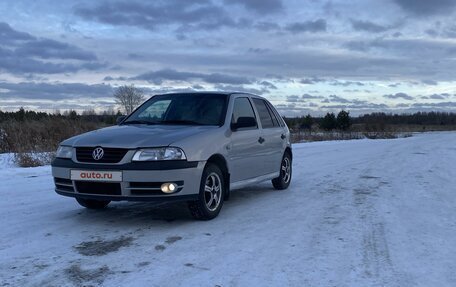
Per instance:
x=34, y=140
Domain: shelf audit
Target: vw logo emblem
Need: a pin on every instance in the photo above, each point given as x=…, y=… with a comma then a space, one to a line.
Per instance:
x=98, y=153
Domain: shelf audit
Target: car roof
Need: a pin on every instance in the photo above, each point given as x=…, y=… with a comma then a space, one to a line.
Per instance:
x=212, y=92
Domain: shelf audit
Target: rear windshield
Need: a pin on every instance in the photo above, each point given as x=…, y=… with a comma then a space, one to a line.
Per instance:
x=181, y=109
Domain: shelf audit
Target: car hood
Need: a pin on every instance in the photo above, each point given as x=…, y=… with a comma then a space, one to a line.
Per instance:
x=136, y=136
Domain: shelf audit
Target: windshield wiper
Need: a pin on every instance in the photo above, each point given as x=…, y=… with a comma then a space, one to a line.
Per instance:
x=134, y=122
x=181, y=122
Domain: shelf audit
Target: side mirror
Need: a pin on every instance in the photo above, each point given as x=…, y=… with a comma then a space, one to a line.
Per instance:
x=244, y=122
x=120, y=119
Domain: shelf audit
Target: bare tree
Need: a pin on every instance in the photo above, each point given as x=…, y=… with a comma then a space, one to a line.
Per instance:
x=129, y=97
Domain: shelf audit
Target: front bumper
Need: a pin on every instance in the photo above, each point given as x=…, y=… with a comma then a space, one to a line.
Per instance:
x=141, y=181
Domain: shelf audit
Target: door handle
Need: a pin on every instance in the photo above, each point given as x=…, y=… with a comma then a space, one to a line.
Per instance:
x=261, y=140
x=283, y=136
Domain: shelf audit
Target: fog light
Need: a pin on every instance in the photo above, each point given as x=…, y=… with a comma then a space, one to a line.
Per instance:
x=168, y=187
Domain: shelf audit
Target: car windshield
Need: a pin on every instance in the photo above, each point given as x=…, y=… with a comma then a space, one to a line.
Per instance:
x=181, y=109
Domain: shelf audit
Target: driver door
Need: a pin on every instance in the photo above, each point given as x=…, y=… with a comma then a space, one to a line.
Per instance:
x=245, y=148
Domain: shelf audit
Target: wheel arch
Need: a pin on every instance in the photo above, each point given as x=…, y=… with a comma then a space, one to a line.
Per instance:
x=221, y=162
x=288, y=150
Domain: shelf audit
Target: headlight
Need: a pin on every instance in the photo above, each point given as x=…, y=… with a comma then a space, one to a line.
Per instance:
x=64, y=152
x=165, y=153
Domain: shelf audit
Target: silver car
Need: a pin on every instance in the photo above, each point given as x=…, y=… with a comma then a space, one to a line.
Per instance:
x=194, y=147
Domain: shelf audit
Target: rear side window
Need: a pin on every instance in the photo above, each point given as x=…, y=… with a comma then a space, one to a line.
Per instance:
x=275, y=114
x=267, y=118
x=242, y=108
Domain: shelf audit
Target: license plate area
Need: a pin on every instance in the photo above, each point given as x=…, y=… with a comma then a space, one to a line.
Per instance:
x=95, y=175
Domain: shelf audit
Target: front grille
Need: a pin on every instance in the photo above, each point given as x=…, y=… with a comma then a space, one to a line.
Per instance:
x=111, y=155
x=102, y=188
x=63, y=184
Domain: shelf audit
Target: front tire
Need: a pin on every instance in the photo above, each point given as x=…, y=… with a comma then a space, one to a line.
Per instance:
x=284, y=179
x=211, y=194
x=92, y=203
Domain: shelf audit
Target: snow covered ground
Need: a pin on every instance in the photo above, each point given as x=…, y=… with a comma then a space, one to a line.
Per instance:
x=358, y=213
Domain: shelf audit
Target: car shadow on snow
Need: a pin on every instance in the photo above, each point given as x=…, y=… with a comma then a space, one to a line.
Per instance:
x=139, y=213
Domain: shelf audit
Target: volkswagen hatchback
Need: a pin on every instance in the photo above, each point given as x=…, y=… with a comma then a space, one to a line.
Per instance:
x=194, y=147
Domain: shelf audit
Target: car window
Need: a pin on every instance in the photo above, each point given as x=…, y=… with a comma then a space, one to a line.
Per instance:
x=181, y=109
x=275, y=115
x=278, y=116
x=264, y=114
x=155, y=111
x=242, y=108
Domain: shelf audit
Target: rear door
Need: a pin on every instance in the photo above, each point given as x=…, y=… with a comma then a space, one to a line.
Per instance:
x=245, y=149
x=273, y=135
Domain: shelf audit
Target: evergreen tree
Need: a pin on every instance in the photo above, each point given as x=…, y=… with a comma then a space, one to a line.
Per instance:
x=343, y=120
x=329, y=122
x=306, y=122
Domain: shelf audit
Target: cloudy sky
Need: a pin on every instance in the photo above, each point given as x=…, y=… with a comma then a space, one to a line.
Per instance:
x=308, y=56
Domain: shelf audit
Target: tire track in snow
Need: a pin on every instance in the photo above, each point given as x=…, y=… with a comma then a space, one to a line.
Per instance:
x=376, y=262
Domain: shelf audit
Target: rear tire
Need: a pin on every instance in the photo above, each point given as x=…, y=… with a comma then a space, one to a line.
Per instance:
x=211, y=194
x=92, y=203
x=284, y=179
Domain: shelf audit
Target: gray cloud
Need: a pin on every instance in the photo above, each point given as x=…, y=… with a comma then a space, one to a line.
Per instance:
x=267, y=26
x=259, y=6
x=362, y=106
x=366, y=107
x=427, y=7
x=334, y=98
x=109, y=78
x=403, y=96
x=450, y=32
x=239, y=88
x=157, y=77
x=416, y=59
x=346, y=83
x=309, y=97
x=8, y=34
x=302, y=99
x=432, y=32
x=293, y=99
x=53, y=91
x=308, y=26
x=312, y=80
x=197, y=87
x=368, y=26
x=10, y=63
x=151, y=15
x=437, y=96
x=51, y=49
x=22, y=53
x=258, y=50
x=267, y=85
x=429, y=82
x=419, y=50
x=441, y=105
x=345, y=103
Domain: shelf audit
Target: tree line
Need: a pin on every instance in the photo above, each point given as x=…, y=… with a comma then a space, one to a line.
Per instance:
x=373, y=121
x=341, y=121
x=331, y=121
x=106, y=117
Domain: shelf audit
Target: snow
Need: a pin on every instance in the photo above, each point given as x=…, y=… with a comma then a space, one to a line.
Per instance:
x=358, y=213
x=6, y=160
